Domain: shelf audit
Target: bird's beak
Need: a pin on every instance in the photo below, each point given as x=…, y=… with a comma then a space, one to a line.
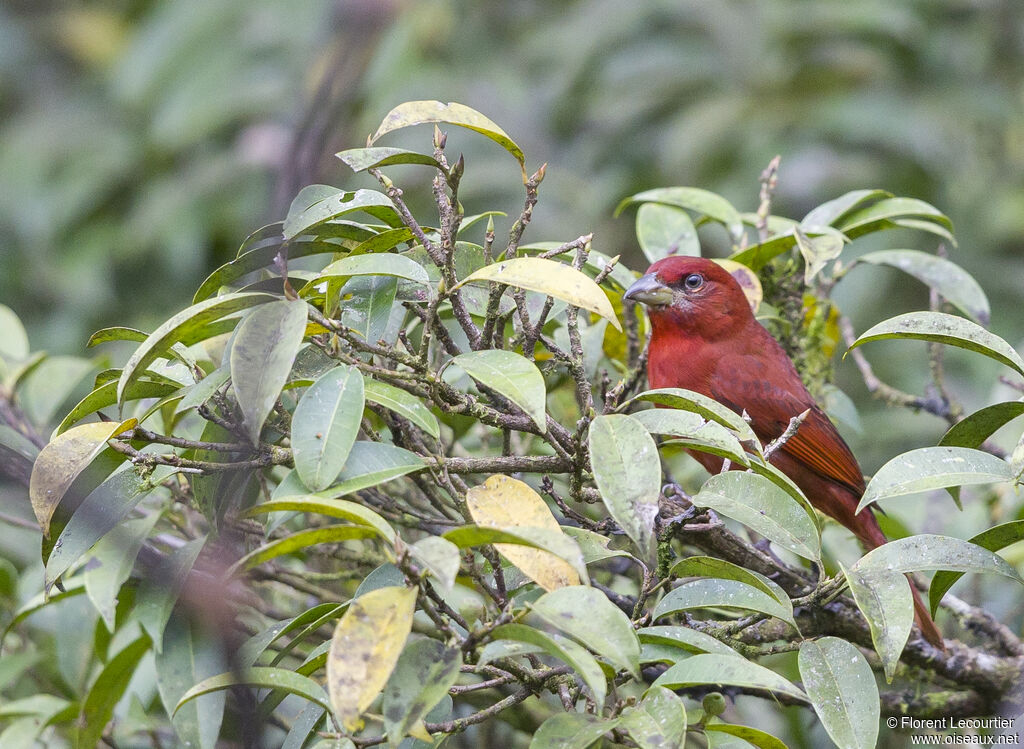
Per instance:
x=650, y=291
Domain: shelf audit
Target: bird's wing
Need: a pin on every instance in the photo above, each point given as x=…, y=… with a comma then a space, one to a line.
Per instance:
x=744, y=383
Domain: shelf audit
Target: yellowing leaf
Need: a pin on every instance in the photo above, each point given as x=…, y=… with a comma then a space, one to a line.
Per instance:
x=747, y=280
x=503, y=502
x=549, y=277
x=364, y=649
x=61, y=461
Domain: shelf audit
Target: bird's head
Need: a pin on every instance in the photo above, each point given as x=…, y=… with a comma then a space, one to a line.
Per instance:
x=692, y=295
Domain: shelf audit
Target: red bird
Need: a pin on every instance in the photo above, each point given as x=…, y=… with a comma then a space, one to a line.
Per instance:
x=705, y=338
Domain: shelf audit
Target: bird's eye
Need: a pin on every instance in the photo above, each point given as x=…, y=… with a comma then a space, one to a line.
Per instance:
x=693, y=281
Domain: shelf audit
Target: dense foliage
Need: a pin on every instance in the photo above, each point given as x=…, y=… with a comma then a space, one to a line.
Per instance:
x=381, y=482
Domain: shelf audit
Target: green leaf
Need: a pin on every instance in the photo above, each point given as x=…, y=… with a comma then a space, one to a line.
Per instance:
x=702, y=202
x=683, y=638
x=106, y=691
x=993, y=539
x=361, y=159
x=830, y=211
x=106, y=395
x=760, y=254
x=571, y=731
x=726, y=671
x=711, y=567
x=198, y=394
x=982, y=424
x=843, y=692
x=709, y=592
x=554, y=541
x=886, y=601
x=13, y=338
x=594, y=546
x=298, y=541
x=586, y=614
x=627, y=472
x=511, y=375
x=113, y=559
x=262, y=354
x=754, y=736
x=404, y=404
x=251, y=650
x=950, y=280
x=709, y=408
x=325, y=424
x=368, y=310
x=117, y=333
x=664, y=230
x=880, y=215
x=564, y=650
x=179, y=328
x=341, y=203
x=370, y=464
x=263, y=677
x=263, y=257
x=693, y=431
x=949, y=329
x=764, y=507
x=101, y=510
x=928, y=468
x=549, y=277
x=381, y=264
x=185, y=661
x=440, y=556
x=425, y=671
x=421, y=112
x=159, y=592
x=930, y=552
x=817, y=252
x=658, y=721
x=333, y=508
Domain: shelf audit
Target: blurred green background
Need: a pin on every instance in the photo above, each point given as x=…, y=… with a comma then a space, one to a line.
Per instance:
x=142, y=140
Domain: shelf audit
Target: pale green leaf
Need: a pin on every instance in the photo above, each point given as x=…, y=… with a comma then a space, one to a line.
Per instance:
x=325, y=425
x=715, y=669
x=511, y=375
x=842, y=689
x=664, y=230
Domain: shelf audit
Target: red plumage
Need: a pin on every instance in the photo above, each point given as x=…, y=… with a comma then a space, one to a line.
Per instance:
x=705, y=338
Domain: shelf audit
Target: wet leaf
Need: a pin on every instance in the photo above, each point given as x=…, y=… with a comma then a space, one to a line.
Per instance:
x=339, y=204
x=264, y=349
x=591, y=619
x=594, y=546
x=549, y=277
x=888, y=605
x=843, y=692
x=817, y=252
x=753, y=736
x=693, y=431
x=716, y=593
x=659, y=720
x=627, y=472
x=955, y=284
x=571, y=731
x=325, y=424
x=507, y=503
x=763, y=506
x=684, y=638
x=370, y=464
x=993, y=539
x=726, y=671
x=982, y=424
x=511, y=375
x=381, y=264
x=365, y=648
x=701, y=566
x=949, y=329
x=709, y=408
x=928, y=468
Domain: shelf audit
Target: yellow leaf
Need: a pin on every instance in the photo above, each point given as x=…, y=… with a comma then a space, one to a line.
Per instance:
x=748, y=281
x=549, y=277
x=364, y=649
x=506, y=503
x=62, y=460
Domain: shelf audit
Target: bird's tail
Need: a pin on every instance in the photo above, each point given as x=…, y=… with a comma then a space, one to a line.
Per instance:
x=871, y=536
